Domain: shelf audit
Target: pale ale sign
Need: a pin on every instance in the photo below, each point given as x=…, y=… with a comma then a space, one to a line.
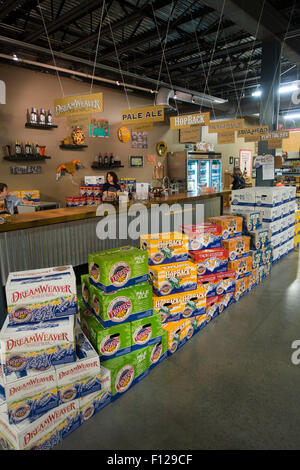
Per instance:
x=189, y=120
x=143, y=115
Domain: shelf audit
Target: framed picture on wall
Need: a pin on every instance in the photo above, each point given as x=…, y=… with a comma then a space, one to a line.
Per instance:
x=236, y=162
x=136, y=162
x=230, y=160
x=246, y=162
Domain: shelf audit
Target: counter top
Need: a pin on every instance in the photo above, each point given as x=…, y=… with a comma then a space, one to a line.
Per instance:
x=69, y=214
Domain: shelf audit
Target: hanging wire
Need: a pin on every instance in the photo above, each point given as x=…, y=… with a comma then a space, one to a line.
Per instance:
x=163, y=48
x=278, y=65
x=231, y=69
x=248, y=66
x=165, y=43
x=283, y=41
x=202, y=63
x=97, y=47
x=117, y=55
x=50, y=47
x=206, y=89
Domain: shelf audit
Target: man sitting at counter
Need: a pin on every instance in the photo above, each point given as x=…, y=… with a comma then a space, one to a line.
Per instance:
x=9, y=203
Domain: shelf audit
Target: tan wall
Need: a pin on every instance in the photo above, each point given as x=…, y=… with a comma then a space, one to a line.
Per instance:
x=26, y=89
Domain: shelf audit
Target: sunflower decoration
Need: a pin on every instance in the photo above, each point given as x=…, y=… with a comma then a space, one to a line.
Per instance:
x=124, y=134
x=78, y=136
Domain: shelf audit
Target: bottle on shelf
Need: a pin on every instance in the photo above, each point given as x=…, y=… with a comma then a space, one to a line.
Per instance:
x=100, y=160
x=28, y=116
x=37, y=149
x=42, y=119
x=28, y=149
x=32, y=116
x=111, y=159
x=106, y=159
x=18, y=148
x=36, y=116
x=49, y=118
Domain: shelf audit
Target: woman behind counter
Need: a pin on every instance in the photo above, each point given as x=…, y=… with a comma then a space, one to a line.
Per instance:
x=9, y=202
x=238, y=181
x=111, y=189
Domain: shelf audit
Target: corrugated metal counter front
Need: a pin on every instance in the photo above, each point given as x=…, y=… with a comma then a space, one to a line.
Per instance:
x=67, y=236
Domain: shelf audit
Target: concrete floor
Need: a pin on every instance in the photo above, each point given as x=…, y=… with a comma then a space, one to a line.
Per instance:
x=232, y=386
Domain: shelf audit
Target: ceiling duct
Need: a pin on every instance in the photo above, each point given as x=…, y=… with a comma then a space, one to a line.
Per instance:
x=188, y=96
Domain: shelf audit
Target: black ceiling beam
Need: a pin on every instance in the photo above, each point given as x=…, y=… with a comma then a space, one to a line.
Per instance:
x=7, y=7
x=273, y=24
x=224, y=52
x=180, y=49
x=153, y=34
x=63, y=20
x=137, y=14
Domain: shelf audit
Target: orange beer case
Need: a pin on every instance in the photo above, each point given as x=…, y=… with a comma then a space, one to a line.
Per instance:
x=238, y=247
x=231, y=226
x=242, y=266
x=243, y=286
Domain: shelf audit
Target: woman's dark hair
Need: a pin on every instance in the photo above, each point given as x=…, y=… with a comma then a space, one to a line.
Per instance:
x=114, y=177
x=2, y=187
x=237, y=171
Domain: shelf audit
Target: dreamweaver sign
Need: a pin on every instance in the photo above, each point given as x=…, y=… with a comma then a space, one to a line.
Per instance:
x=81, y=104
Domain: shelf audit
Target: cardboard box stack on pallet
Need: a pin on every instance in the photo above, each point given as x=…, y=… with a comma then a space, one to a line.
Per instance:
x=297, y=228
x=176, y=296
x=116, y=314
x=48, y=367
x=137, y=306
x=277, y=208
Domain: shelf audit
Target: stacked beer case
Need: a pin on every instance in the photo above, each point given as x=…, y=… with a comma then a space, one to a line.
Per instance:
x=297, y=228
x=177, y=298
x=116, y=314
x=277, y=208
x=211, y=261
x=48, y=367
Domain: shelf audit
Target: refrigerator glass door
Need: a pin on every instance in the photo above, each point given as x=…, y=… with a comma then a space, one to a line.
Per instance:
x=204, y=173
x=192, y=175
x=216, y=174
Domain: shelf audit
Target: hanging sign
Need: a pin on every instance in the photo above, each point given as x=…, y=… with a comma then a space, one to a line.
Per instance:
x=188, y=120
x=82, y=120
x=191, y=135
x=146, y=114
x=2, y=92
x=227, y=137
x=81, y=104
x=275, y=135
x=246, y=162
x=142, y=127
x=253, y=131
x=221, y=126
x=274, y=144
x=251, y=138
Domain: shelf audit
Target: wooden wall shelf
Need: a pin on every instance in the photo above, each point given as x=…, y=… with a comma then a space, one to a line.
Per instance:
x=72, y=147
x=27, y=158
x=28, y=125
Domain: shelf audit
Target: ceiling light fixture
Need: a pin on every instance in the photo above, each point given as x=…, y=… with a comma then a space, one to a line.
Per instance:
x=292, y=116
x=257, y=92
x=288, y=88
